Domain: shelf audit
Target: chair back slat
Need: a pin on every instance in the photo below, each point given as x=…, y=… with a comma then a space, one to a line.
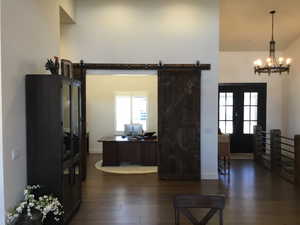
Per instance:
x=182, y=204
x=200, y=201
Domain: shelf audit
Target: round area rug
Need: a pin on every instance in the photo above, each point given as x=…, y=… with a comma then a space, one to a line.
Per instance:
x=126, y=169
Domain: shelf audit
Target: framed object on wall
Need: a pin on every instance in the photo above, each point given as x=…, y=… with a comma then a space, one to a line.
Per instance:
x=67, y=68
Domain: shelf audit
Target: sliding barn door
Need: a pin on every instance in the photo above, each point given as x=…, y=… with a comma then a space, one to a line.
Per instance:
x=179, y=124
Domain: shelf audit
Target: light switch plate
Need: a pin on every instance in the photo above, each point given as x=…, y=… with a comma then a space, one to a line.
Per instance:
x=15, y=154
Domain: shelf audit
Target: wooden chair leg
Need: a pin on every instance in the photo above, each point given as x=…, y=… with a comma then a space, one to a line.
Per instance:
x=177, y=217
x=225, y=165
x=221, y=217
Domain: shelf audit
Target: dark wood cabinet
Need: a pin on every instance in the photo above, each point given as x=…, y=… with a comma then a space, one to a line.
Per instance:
x=53, y=112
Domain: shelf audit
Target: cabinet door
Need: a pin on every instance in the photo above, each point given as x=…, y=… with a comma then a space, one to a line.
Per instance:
x=76, y=119
x=76, y=188
x=66, y=117
x=67, y=192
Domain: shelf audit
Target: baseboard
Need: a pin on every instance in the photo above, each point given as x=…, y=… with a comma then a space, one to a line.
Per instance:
x=95, y=151
x=210, y=176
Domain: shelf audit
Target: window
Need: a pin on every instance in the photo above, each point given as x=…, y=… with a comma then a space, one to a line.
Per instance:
x=131, y=109
x=250, y=111
x=226, y=112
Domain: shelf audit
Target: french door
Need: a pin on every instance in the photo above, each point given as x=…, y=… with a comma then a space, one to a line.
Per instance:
x=241, y=107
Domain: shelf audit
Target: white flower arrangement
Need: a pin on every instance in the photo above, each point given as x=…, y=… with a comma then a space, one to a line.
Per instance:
x=45, y=205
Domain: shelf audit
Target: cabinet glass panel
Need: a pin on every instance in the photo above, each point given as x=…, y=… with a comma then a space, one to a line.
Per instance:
x=66, y=120
x=75, y=118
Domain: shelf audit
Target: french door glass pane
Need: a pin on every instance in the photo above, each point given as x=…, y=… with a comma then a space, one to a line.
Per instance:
x=246, y=112
x=229, y=127
x=222, y=125
x=254, y=97
x=229, y=113
x=229, y=99
x=247, y=127
x=250, y=111
x=222, y=99
x=222, y=113
x=253, y=113
x=252, y=124
x=226, y=112
x=247, y=98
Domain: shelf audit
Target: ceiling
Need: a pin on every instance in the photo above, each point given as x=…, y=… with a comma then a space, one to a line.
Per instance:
x=246, y=24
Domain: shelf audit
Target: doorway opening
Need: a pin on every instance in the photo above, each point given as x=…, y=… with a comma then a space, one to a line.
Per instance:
x=114, y=100
x=241, y=107
x=178, y=114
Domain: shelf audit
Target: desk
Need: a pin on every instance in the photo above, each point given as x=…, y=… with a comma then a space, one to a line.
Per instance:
x=118, y=150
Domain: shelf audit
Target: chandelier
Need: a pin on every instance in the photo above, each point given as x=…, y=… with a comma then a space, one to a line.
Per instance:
x=272, y=64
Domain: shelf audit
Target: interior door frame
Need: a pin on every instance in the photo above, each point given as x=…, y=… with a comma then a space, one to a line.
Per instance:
x=262, y=86
x=246, y=87
x=80, y=73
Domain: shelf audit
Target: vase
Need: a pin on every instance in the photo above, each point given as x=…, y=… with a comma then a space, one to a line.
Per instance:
x=26, y=220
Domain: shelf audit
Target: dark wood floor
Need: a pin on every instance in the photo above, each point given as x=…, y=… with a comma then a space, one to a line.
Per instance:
x=254, y=197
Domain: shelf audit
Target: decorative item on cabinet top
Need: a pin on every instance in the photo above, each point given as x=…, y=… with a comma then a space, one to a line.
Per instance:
x=53, y=65
x=66, y=66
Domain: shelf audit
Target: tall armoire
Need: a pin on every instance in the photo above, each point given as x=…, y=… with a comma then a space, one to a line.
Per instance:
x=53, y=112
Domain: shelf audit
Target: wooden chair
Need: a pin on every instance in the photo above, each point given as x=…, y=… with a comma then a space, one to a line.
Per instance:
x=182, y=204
x=224, y=154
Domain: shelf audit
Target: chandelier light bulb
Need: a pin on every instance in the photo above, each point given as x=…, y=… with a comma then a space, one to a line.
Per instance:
x=288, y=61
x=269, y=60
x=259, y=62
x=281, y=60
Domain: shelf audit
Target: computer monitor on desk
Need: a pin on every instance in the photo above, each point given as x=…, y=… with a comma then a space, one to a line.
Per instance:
x=133, y=130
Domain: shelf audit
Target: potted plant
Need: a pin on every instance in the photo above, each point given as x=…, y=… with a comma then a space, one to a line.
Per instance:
x=53, y=65
x=34, y=209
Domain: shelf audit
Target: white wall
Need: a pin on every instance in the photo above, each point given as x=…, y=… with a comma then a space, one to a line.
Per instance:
x=291, y=91
x=101, y=90
x=29, y=34
x=135, y=31
x=2, y=206
x=237, y=67
x=69, y=7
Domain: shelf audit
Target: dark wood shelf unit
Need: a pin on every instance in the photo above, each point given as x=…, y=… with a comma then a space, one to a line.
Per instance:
x=53, y=116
